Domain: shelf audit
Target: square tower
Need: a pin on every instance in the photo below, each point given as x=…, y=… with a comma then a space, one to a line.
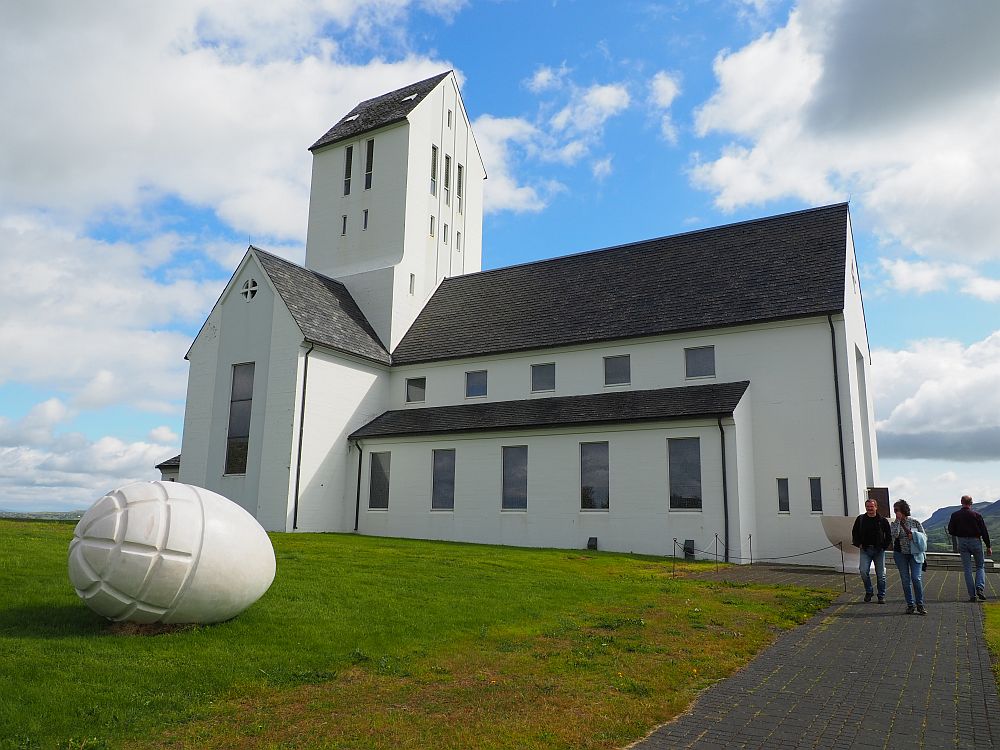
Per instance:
x=396, y=201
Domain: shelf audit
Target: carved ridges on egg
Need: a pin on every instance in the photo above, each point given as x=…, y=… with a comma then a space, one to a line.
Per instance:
x=135, y=551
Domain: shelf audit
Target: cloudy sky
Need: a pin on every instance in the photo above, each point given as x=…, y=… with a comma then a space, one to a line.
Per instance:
x=143, y=144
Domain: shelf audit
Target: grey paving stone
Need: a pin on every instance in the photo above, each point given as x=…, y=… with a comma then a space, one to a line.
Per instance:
x=857, y=675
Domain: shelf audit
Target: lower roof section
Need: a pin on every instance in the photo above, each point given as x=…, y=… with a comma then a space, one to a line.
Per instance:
x=689, y=402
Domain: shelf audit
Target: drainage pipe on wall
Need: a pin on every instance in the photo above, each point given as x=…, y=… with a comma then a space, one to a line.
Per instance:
x=725, y=493
x=302, y=427
x=840, y=421
x=357, y=498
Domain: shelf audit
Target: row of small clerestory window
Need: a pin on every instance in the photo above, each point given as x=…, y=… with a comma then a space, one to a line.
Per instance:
x=699, y=362
x=683, y=477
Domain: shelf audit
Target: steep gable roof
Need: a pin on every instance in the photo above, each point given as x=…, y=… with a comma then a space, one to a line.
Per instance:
x=776, y=268
x=689, y=402
x=323, y=309
x=383, y=110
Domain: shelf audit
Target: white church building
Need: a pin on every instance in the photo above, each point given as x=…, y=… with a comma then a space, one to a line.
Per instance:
x=710, y=387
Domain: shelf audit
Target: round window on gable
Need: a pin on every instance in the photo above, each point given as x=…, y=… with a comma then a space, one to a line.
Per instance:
x=249, y=289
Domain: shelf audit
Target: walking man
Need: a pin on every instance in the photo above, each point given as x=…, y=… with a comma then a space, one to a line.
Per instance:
x=969, y=530
x=871, y=535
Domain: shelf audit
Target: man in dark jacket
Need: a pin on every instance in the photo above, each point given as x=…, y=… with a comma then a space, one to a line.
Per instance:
x=969, y=530
x=871, y=535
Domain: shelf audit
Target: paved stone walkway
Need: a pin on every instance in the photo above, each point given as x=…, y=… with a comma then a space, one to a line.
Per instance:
x=857, y=675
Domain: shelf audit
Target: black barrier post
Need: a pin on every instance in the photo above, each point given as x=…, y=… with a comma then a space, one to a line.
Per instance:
x=842, y=567
x=716, y=553
x=750, y=542
x=673, y=562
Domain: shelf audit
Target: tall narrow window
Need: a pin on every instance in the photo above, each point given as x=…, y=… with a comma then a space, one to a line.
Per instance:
x=434, y=170
x=458, y=186
x=364, y=220
x=475, y=383
x=444, y=234
x=416, y=390
x=348, y=158
x=515, y=478
x=343, y=225
x=783, y=504
x=543, y=377
x=699, y=362
x=413, y=283
x=449, y=118
x=240, y=400
x=816, y=494
x=378, y=486
x=595, y=486
x=617, y=370
x=443, y=483
x=369, y=162
x=684, y=469
x=447, y=180
x=458, y=241
x=432, y=226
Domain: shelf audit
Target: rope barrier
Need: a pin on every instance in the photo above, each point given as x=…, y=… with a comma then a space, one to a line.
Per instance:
x=758, y=559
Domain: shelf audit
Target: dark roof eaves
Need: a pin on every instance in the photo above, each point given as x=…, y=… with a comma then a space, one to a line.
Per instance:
x=387, y=362
x=401, y=361
x=316, y=147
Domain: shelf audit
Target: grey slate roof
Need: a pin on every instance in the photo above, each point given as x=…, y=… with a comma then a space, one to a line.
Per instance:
x=169, y=463
x=689, y=402
x=378, y=112
x=780, y=267
x=323, y=309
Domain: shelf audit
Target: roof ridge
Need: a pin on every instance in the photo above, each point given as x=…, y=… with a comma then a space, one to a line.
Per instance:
x=647, y=241
x=440, y=76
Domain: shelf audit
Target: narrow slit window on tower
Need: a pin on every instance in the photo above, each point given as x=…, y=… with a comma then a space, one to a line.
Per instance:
x=343, y=225
x=432, y=226
x=364, y=219
x=449, y=118
x=444, y=233
x=458, y=186
x=434, y=171
x=413, y=283
x=458, y=241
x=348, y=158
x=447, y=180
x=369, y=162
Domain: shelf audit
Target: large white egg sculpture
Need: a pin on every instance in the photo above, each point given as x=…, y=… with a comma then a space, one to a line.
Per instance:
x=166, y=552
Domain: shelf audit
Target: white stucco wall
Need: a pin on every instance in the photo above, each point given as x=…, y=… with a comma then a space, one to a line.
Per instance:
x=638, y=519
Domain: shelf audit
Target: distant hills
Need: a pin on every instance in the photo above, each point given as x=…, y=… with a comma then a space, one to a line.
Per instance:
x=937, y=525
x=68, y=515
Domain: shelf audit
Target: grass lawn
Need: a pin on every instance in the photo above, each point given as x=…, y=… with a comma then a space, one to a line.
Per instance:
x=364, y=642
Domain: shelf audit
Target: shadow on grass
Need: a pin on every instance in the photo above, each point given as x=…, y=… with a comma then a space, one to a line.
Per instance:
x=50, y=621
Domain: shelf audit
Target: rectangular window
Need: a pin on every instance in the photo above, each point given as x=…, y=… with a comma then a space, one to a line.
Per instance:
x=343, y=225
x=449, y=118
x=443, y=484
x=416, y=390
x=595, y=493
x=378, y=488
x=434, y=170
x=783, y=505
x=458, y=241
x=617, y=370
x=444, y=234
x=348, y=158
x=240, y=401
x=475, y=383
x=447, y=180
x=369, y=163
x=364, y=220
x=543, y=377
x=684, y=473
x=459, y=176
x=816, y=494
x=413, y=283
x=699, y=362
x=515, y=478
x=432, y=226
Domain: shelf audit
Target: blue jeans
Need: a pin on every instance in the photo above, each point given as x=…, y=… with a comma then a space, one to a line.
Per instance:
x=910, y=572
x=871, y=555
x=972, y=547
